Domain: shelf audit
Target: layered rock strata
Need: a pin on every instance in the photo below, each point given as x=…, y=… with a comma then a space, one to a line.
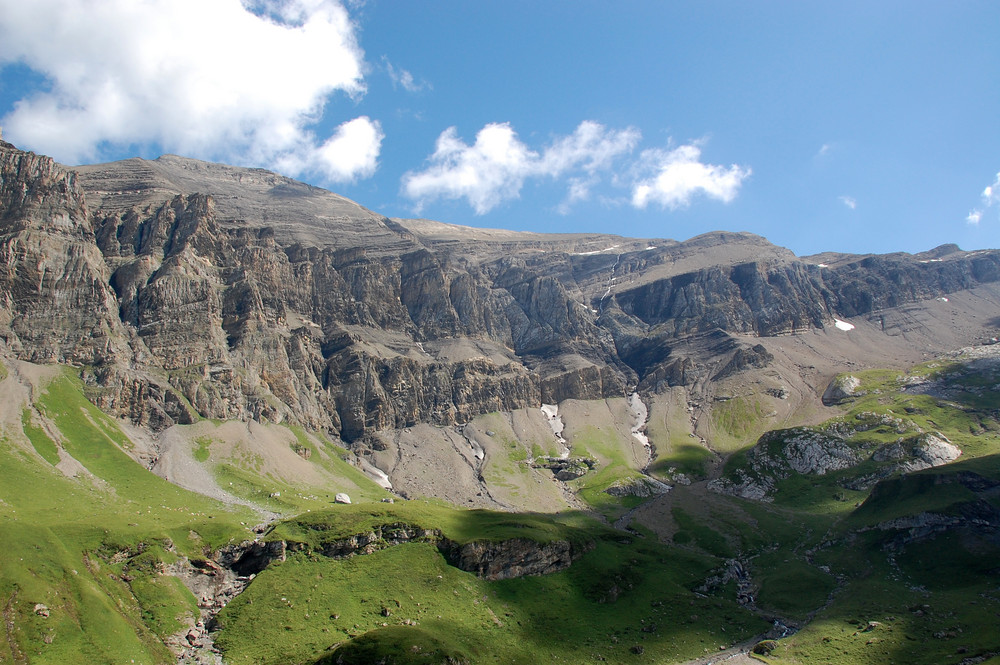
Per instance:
x=187, y=289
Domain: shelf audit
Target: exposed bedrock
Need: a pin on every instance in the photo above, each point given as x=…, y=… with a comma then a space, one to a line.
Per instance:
x=189, y=289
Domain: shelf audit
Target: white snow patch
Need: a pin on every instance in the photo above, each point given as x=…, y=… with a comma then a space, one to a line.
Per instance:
x=822, y=265
x=843, y=325
x=650, y=247
x=942, y=299
x=639, y=415
x=597, y=251
x=933, y=261
x=376, y=474
x=551, y=413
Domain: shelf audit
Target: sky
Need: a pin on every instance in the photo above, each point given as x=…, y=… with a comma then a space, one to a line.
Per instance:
x=824, y=126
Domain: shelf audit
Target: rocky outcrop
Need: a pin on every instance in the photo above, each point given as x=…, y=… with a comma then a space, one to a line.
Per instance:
x=807, y=451
x=755, y=357
x=379, y=537
x=640, y=486
x=516, y=557
x=251, y=557
x=489, y=559
x=566, y=468
x=841, y=389
x=779, y=453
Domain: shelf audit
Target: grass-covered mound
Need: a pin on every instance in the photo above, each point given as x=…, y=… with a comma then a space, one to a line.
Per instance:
x=395, y=645
x=617, y=596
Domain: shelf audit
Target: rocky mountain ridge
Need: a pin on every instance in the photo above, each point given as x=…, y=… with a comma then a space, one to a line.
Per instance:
x=190, y=289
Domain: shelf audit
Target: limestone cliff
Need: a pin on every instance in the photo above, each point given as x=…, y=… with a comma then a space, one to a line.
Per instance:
x=188, y=289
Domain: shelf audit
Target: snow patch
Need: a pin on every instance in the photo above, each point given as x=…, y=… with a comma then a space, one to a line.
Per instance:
x=822, y=265
x=551, y=413
x=376, y=474
x=637, y=408
x=942, y=299
x=843, y=325
x=598, y=251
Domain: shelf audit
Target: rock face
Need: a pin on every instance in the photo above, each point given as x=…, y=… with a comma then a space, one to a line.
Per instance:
x=506, y=559
x=643, y=487
x=489, y=559
x=811, y=451
x=189, y=289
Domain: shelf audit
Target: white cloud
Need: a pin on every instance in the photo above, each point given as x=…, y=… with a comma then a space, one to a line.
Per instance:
x=824, y=150
x=990, y=197
x=351, y=152
x=403, y=78
x=206, y=78
x=849, y=201
x=579, y=190
x=591, y=147
x=495, y=167
x=679, y=175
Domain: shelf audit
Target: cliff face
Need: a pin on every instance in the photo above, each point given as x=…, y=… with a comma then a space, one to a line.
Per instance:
x=189, y=288
x=56, y=303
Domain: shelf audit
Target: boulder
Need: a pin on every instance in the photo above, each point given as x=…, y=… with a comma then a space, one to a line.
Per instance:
x=841, y=389
x=341, y=498
x=935, y=450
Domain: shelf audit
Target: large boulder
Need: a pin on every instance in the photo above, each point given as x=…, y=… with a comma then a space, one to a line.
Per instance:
x=841, y=389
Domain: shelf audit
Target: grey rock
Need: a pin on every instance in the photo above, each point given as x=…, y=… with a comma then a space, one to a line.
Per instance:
x=936, y=449
x=641, y=486
x=841, y=389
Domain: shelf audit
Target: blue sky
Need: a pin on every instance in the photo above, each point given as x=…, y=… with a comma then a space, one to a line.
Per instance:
x=848, y=126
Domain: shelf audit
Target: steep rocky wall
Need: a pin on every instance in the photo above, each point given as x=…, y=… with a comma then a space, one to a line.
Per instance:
x=179, y=310
x=55, y=301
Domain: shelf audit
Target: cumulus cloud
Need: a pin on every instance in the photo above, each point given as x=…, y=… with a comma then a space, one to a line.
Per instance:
x=849, y=201
x=351, y=152
x=496, y=166
x=219, y=79
x=678, y=175
x=990, y=197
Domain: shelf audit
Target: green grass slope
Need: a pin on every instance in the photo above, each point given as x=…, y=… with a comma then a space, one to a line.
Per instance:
x=903, y=568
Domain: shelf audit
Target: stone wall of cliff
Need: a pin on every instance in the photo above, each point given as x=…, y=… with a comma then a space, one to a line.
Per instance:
x=176, y=310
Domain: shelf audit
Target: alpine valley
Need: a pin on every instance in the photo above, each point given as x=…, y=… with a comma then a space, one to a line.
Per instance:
x=245, y=420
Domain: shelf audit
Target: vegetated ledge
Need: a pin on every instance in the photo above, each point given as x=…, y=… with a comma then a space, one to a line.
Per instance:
x=488, y=559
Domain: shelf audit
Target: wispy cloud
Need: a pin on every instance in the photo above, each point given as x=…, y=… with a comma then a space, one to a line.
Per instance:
x=849, y=201
x=678, y=175
x=208, y=79
x=496, y=166
x=578, y=190
x=404, y=79
x=990, y=197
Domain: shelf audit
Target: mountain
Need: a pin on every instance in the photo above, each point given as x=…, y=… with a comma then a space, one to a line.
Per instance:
x=266, y=344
